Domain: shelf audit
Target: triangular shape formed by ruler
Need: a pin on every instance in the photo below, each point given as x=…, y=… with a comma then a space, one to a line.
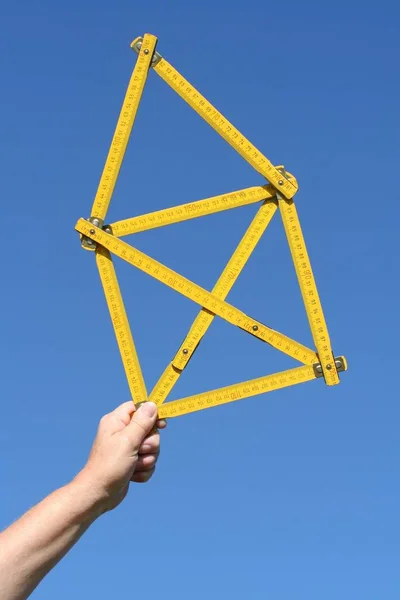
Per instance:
x=276, y=195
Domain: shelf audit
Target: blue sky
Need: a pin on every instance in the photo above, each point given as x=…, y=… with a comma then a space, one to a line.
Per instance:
x=293, y=494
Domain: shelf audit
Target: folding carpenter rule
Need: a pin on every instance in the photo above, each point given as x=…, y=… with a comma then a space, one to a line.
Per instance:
x=276, y=195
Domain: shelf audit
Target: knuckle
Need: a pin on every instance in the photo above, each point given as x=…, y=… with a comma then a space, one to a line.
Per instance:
x=141, y=426
x=144, y=476
x=104, y=419
x=150, y=460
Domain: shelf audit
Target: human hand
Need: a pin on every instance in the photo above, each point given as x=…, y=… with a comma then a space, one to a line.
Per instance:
x=125, y=450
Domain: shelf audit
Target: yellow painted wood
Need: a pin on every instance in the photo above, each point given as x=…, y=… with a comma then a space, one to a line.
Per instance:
x=238, y=391
x=124, y=128
x=120, y=324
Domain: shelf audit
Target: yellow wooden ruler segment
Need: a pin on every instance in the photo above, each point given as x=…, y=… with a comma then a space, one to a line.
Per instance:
x=165, y=384
x=192, y=210
x=120, y=323
x=123, y=129
x=239, y=391
x=309, y=290
x=225, y=129
x=280, y=191
x=221, y=289
x=196, y=293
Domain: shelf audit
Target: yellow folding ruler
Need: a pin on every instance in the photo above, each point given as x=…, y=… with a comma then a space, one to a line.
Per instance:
x=276, y=195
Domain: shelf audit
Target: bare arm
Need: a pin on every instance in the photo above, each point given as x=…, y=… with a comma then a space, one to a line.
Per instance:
x=126, y=449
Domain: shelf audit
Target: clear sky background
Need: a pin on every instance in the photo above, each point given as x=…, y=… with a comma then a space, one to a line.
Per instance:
x=290, y=495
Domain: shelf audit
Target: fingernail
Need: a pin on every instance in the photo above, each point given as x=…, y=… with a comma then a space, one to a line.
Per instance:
x=148, y=408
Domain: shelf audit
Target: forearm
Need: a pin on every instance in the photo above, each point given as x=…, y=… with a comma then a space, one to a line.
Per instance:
x=35, y=543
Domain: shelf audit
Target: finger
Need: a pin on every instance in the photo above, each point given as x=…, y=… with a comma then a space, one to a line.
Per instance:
x=146, y=462
x=119, y=417
x=142, y=423
x=143, y=476
x=161, y=424
x=124, y=412
x=150, y=444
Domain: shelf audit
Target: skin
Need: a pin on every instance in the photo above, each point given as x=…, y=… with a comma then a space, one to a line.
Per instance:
x=125, y=451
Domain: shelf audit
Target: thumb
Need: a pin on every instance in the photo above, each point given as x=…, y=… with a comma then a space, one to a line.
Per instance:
x=142, y=423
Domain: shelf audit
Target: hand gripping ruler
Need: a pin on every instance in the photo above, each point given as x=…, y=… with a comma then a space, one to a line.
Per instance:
x=275, y=196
